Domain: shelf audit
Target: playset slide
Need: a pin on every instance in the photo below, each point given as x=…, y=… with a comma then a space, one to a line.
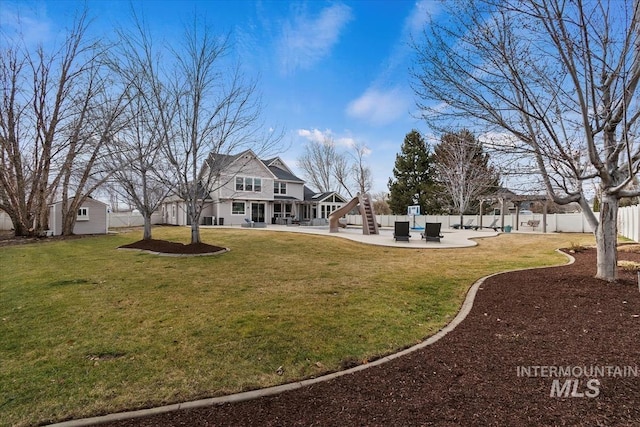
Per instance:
x=363, y=202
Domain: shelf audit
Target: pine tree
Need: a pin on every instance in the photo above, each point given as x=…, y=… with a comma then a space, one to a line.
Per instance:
x=413, y=173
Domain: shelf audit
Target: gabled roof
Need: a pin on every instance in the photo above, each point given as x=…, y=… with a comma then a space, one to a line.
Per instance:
x=277, y=161
x=284, y=175
x=322, y=196
x=313, y=196
x=88, y=198
x=218, y=162
x=308, y=193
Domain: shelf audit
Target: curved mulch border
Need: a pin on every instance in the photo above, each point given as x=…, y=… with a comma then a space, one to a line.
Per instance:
x=166, y=248
x=553, y=317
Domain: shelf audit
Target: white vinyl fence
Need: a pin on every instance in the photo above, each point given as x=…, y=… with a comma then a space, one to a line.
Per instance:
x=564, y=223
x=629, y=222
x=131, y=219
x=116, y=220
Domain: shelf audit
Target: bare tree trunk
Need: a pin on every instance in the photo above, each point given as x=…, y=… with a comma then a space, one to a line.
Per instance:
x=147, y=227
x=195, y=233
x=607, y=239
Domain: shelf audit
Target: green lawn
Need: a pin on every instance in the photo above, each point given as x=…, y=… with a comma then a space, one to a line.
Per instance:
x=87, y=329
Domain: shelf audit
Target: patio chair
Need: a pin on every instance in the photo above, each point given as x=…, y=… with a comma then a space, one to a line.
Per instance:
x=493, y=225
x=401, y=231
x=466, y=226
x=432, y=232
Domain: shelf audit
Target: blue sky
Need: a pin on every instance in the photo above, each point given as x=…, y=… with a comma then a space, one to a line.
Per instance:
x=325, y=67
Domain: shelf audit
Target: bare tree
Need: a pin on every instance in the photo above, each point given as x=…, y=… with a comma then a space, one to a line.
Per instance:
x=381, y=203
x=328, y=169
x=218, y=112
x=558, y=79
x=318, y=163
x=341, y=171
x=361, y=172
x=86, y=166
x=58, y=111
x=144, y=178
x=463, y=170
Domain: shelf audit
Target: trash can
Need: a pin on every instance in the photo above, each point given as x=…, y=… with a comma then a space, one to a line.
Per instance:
x=507, y=229
x=220, y=221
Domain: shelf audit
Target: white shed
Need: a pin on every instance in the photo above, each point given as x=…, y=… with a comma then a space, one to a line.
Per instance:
x=92, y=218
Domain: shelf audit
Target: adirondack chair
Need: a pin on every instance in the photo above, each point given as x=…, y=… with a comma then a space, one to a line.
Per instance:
x=432, y=232
x=401, y=231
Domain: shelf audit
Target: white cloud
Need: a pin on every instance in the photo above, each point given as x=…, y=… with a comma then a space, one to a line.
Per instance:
x=315, y=135
x=421, y=15
x=346, y=142
x=380, y=107
x=325, y=136
x=307, y=40
x=30, y=26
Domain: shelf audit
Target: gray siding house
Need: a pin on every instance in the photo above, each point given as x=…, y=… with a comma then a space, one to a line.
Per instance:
x=244, y=188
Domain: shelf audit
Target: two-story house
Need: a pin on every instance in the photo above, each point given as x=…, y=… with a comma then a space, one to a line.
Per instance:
x=244, y=188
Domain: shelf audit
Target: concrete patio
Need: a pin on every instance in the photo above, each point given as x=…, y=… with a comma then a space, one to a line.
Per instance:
x=452, y=238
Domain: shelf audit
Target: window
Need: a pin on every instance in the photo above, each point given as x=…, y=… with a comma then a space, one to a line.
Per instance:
x=237, y=208
x=83, y=214
x=248, y=184
x=279, y=188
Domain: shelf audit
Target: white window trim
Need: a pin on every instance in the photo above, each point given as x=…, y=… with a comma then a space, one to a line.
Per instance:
x=252, y=180
x=279, y=185
x=244, y=211
x=83, y=214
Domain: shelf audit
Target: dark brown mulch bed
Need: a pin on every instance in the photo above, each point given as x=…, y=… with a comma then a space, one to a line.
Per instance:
x=553, y=317
x=166, y=247
x=7, y=238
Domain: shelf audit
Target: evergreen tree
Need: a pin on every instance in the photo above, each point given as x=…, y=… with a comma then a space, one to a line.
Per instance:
x=413, y=177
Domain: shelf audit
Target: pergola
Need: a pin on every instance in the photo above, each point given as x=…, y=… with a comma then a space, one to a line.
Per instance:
x=504, y=196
